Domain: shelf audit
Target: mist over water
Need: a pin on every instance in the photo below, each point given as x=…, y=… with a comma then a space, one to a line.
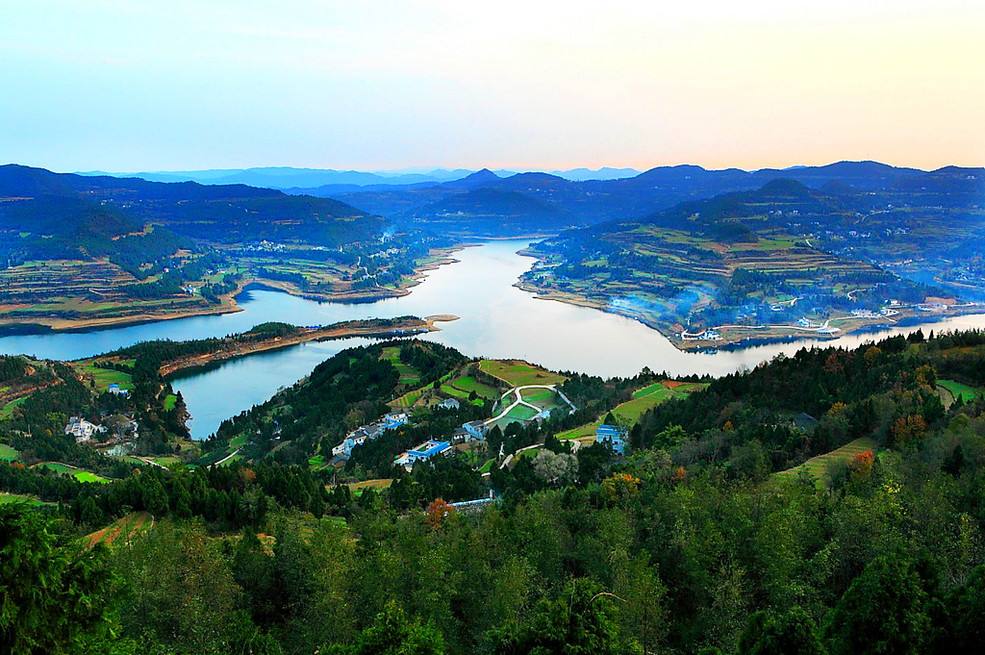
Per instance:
x=496, y=320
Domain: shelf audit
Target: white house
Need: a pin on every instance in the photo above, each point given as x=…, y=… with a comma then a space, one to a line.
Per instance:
x=82, y=429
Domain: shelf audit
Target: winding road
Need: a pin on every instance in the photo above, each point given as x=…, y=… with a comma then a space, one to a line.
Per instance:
x=520, y=401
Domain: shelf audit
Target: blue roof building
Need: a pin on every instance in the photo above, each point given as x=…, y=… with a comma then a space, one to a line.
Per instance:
x=422, y=452
x=613, y=436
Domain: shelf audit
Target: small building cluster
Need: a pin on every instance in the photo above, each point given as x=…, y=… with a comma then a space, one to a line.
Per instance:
x=369, y=432
x=120, y=433
x=82, y=429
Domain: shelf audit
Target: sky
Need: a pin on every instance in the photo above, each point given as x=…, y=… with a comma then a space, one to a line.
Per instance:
x=377, y=85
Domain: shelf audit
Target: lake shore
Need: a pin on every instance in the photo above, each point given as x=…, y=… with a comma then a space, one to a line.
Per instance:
x=227, y=302
x=368, y=328
x=733, y=337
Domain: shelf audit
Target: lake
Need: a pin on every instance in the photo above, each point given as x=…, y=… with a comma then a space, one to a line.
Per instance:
x=497, y=320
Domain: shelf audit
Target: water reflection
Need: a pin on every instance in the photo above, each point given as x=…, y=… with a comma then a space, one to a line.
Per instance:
x=497, y=320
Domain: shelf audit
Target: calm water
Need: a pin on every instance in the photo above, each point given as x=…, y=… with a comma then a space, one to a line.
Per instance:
x=497, y=320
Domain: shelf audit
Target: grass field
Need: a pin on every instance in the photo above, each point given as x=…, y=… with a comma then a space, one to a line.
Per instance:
x=8, y=454
x=103, y=377
x=408, y=374
x=358, y=487
x=169, y=402
x=517, y=374
x=468, y=384
x=541, y=397
x=8, y=409
x=520, y=413
x=7, y=499
x=79, y=474
x=818, y=466
x=962, y=391
x=126, y=528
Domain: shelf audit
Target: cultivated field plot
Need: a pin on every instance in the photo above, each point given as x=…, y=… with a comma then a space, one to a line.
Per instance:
x=67, y=469
x=463, y=386
x=122, y=530
x=819, y=467
x=518, y=373
x=61, y=277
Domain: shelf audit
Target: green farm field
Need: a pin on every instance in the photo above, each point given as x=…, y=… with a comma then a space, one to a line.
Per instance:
x=103, y=377
x=517, y=373
x=8, y=454
x=79, y=474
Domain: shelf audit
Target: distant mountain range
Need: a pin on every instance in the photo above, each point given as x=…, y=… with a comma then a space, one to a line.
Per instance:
x=46, y=215
x=558, y=202
x=287, y=177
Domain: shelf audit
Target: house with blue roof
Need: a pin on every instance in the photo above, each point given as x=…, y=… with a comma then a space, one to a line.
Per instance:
x=614, y=436
x=117, y=390
x=422, y=453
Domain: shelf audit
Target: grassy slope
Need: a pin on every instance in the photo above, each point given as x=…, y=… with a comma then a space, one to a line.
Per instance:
x=959, y=390
x=818, y=466
x=629, y=412
x=516, y=373
x=8, y=454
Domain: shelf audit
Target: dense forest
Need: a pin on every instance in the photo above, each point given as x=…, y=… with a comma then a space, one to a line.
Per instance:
x=697, y=541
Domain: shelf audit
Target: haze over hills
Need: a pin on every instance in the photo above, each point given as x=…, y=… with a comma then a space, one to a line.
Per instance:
x=288, y=177
x=594, y=201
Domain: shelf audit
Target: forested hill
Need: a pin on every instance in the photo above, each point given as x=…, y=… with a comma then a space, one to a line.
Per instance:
x=698, y=540
x=782, y=255
x=220, y=213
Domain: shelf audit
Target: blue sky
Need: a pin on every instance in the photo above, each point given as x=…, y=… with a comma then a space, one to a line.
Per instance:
x=148, y=85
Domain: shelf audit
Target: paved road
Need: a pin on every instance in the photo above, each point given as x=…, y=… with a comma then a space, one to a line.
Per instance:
x=516, y=391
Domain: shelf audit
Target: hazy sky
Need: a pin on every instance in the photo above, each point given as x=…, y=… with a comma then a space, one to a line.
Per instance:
x=145, y=85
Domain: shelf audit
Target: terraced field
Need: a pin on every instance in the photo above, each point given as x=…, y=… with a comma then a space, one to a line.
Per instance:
x=819, y=467
x=408, y=374
x=123, y=529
